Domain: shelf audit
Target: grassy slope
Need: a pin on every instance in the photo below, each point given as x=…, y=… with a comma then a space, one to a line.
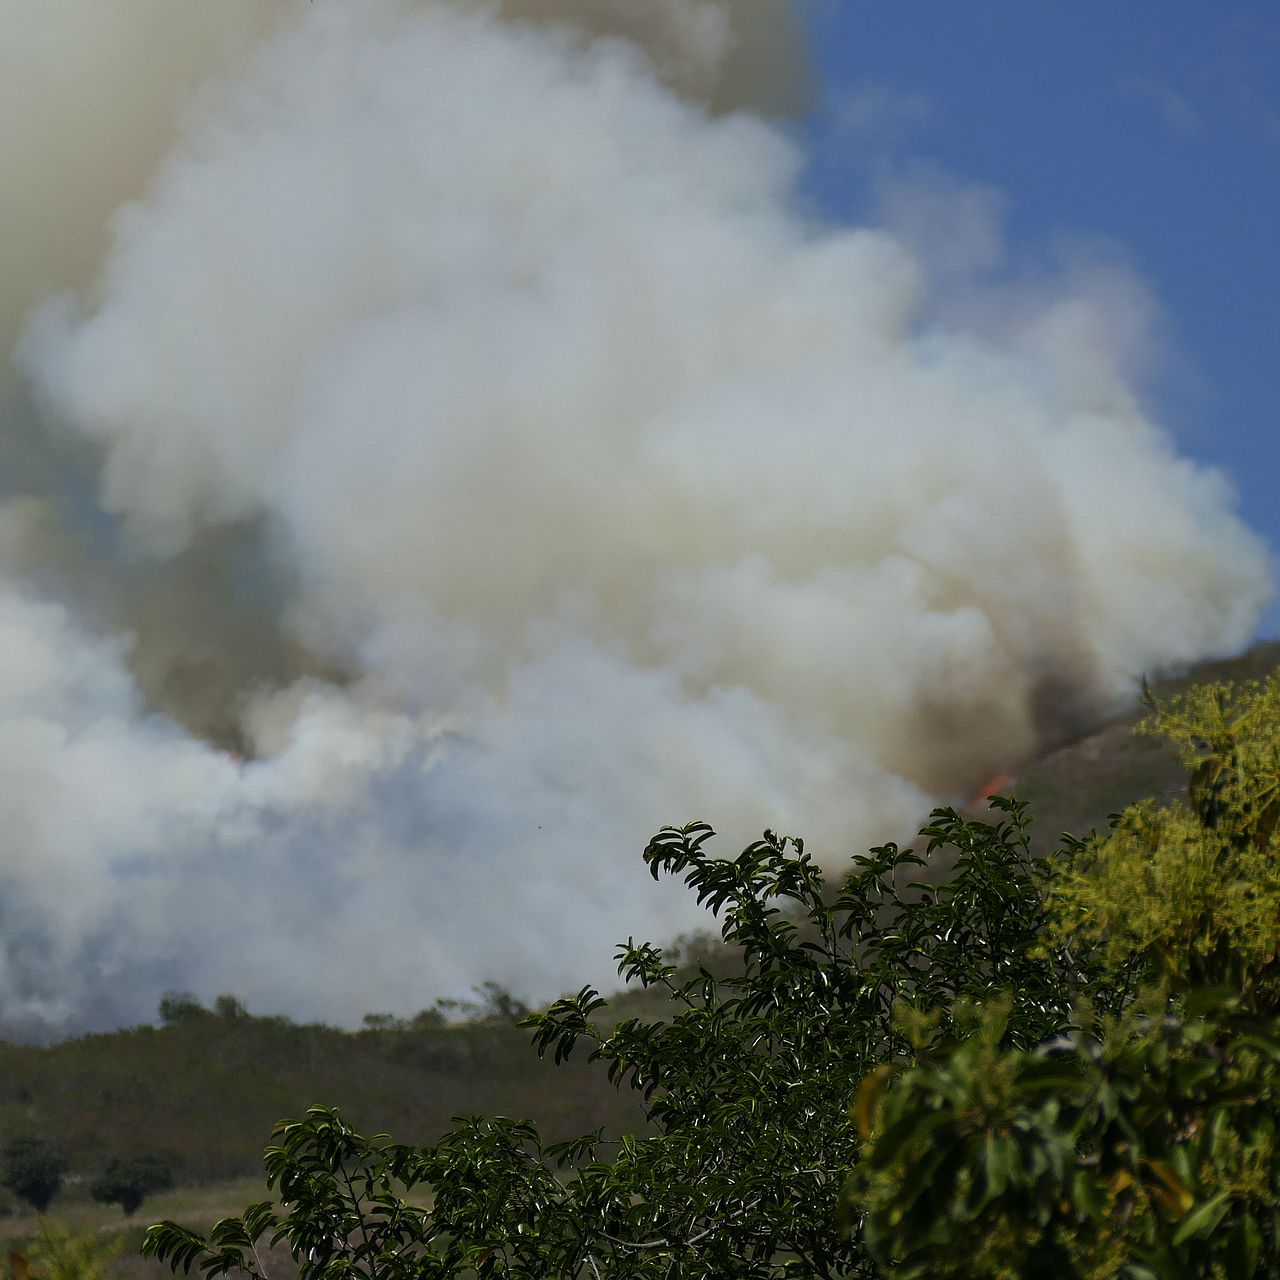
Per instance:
x=207, y=1092
x=75, y=1212
x=1077, y=787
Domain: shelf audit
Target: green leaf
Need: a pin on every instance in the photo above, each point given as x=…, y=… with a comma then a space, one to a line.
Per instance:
x=1244, y=1245
x=1203, y=1220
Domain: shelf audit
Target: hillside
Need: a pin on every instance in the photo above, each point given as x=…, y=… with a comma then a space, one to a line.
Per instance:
x=1077, y=786
x=204, y=1091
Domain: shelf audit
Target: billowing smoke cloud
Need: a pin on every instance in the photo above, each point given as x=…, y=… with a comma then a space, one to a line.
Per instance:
x=574, y=483
x=726, y=54
x=93, y=95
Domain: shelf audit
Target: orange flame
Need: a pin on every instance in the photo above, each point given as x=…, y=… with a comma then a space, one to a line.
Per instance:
x=998, y=786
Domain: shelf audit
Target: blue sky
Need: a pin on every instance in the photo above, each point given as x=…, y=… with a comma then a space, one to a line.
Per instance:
x=1145, y=133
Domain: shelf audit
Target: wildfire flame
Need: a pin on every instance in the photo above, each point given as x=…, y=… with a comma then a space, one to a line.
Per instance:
x=998, y=786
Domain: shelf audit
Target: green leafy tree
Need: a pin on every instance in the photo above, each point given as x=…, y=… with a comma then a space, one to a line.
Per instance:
x=128, y=1182
x=33, y=1170
x=497, y=1004
x=180, y=1006
x=1142, y=1145
x=747, y=1084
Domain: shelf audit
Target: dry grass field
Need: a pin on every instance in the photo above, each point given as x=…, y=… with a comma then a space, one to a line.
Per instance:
x=119, y=1238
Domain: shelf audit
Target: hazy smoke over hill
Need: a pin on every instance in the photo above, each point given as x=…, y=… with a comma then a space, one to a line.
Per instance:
x=467, y=427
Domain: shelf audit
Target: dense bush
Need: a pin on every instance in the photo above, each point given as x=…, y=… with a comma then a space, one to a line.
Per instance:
x=1144, y=1149
x=58, y=1254
x=180, y=1006
x=128, y=1182
x=33, y=1169
x=1141, y=1145
x=1059, y=1067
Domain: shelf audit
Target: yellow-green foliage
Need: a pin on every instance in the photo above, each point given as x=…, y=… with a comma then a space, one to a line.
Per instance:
x=1194, y=886
x=57, y=1254
x=1145, y=1142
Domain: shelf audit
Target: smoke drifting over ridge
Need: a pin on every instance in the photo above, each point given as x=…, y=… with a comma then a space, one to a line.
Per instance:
x=549, y=477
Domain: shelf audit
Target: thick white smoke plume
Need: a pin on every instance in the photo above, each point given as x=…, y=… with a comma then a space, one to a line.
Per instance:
x=582, y=484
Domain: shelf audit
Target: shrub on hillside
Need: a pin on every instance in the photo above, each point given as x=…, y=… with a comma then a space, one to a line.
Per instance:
x=183, y=1006
x=180, y=1006
x=33, y=1169
x=128, y=1182
x=229, y=1006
